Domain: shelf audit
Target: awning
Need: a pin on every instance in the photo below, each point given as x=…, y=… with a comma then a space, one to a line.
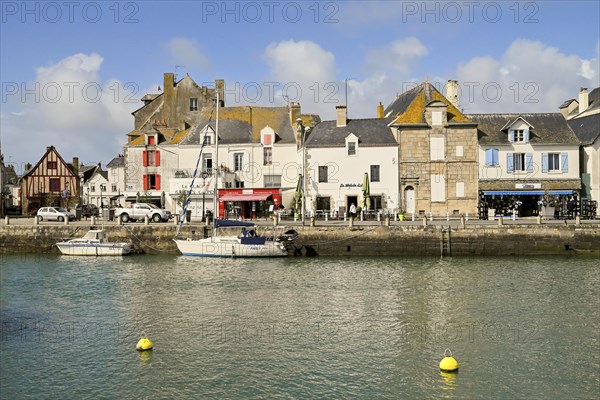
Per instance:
x=245, y=197
x=525, y=192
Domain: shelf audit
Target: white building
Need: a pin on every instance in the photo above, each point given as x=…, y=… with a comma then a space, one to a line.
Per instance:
x=339, y=153
x=526, y=159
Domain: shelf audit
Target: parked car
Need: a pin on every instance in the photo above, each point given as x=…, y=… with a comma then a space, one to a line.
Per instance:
x=55, y=214
x=140, y=211
x=88, y=210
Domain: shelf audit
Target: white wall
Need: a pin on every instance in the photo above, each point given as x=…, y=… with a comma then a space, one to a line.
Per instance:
x=346, y=174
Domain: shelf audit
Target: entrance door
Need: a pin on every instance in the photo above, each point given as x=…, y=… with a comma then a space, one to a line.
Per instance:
x=409, y=199
x=351, y=200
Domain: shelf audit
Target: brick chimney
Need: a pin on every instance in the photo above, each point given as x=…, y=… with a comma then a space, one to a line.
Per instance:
x=584, y=100
x=451, y=89
x=379, y=110
x=76, y=165
x=342, y=116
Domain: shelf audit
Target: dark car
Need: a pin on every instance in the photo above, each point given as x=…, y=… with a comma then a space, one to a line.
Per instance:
x=88, y=210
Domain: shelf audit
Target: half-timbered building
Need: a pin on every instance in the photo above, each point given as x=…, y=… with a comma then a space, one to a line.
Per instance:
x=51, y=182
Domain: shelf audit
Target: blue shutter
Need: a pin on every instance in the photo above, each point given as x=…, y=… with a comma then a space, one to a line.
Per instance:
x=511, y=136
x=526, y=135
x=529, y=162
x=564, y=162
x=509, y=163
x=489, y=157
x=495, y=157
x=544, y=162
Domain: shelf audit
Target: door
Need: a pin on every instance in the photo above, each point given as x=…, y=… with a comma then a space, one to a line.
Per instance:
x=409, y=199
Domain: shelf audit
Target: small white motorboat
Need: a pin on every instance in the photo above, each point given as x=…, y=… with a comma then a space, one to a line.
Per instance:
x=94, y=243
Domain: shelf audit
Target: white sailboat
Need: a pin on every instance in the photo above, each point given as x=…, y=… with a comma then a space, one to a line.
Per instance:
x=246, y=244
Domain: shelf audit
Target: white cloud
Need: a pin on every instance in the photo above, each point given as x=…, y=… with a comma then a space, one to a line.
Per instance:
x=67, y=105
x=185, y=52
x=400, y=56
x=529, y=77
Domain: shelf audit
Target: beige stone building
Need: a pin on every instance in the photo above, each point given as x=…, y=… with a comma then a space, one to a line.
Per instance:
x=437, y=152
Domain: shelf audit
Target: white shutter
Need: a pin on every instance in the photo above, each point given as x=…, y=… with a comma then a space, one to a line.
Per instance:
x=438, y=188
x=460, y=189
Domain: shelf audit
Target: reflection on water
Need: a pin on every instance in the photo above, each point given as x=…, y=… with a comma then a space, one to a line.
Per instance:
x=298, y=327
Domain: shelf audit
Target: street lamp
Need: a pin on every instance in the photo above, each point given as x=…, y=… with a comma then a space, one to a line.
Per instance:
x=304, y=169
x=204, y=175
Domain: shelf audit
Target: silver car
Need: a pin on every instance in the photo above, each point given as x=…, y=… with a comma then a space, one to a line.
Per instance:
x=55, y=214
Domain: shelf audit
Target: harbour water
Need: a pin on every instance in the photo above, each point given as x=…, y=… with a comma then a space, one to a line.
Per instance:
x=372, y=328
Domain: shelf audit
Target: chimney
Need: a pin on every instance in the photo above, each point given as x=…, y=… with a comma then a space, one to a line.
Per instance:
x=341, y=116
x=294, y=110
x=452, y=92
x=76, y=165
x=220, y=87
x=584, y=100
x=379, y=110
x=169, y=106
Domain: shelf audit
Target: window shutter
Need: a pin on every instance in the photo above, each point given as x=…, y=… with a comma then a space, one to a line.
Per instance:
x=564, y=162
x=495, y=157
x=529, y=162
x=509, y=163
x=511, y=136
x=544, y=162
x=157, y=180
x=145, y=182
x=489, y=157
x=144, y=158
x=526, y=135
x=157, y=160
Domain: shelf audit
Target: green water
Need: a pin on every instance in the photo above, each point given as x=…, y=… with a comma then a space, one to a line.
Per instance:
x=302, y=328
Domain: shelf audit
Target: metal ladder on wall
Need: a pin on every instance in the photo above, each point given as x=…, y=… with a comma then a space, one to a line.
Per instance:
x=445, y=243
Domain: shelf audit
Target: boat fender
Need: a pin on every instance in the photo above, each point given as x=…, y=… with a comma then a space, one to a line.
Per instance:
x=144, y=344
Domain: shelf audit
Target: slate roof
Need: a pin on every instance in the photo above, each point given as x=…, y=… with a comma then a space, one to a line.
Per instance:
x=371, y=132
x=116, y=162
x=409, y=107
x=587, y=128
x=548, y=128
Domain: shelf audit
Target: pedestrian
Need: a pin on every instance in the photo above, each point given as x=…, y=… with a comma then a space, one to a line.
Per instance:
x=352, y=210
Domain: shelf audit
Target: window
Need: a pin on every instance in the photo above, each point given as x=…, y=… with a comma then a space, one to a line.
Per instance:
x=436, y=118
x=555, y=162
x=374, y=173
x=193, y=104
x=92, y=188
x=55, y=184
x=239, y=184
x=103, y=188
x=207, y=164
x=351, y=148
x=460, y=189
x=459, y=151
x=324, y=203
x=376, y=203
x=52, y=165
x=151, y=141
x=323, y=173
x=518, y=135
x=151, y=181
x=436, y=147
x=151, y=158
x=491, y=157
x=438, y=188
x=207, y=140
x=267, y=140
x=268, y=155
x=519, y=162
x=238, y=160
x=113, y=188
x=273, y=181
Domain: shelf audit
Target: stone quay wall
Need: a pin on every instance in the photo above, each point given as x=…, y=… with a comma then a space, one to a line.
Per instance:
x=364, y=240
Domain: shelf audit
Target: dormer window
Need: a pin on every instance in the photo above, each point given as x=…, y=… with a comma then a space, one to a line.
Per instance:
x=351, y=148
x=151, y=140
x=519, y=135
x=193, y=104
x=518, y=130
x=352, y=145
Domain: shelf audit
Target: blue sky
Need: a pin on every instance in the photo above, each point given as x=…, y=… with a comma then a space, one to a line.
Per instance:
x=72, y=73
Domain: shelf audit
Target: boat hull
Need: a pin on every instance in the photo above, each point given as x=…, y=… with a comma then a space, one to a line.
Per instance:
x=229, y=247
x=94, y=249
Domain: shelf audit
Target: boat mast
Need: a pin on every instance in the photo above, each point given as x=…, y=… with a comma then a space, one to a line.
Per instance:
x=216, y=183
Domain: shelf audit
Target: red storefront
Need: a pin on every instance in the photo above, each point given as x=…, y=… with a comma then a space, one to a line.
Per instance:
x=248, y=203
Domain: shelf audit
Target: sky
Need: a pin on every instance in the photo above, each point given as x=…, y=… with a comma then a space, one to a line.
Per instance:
x=72, y=72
